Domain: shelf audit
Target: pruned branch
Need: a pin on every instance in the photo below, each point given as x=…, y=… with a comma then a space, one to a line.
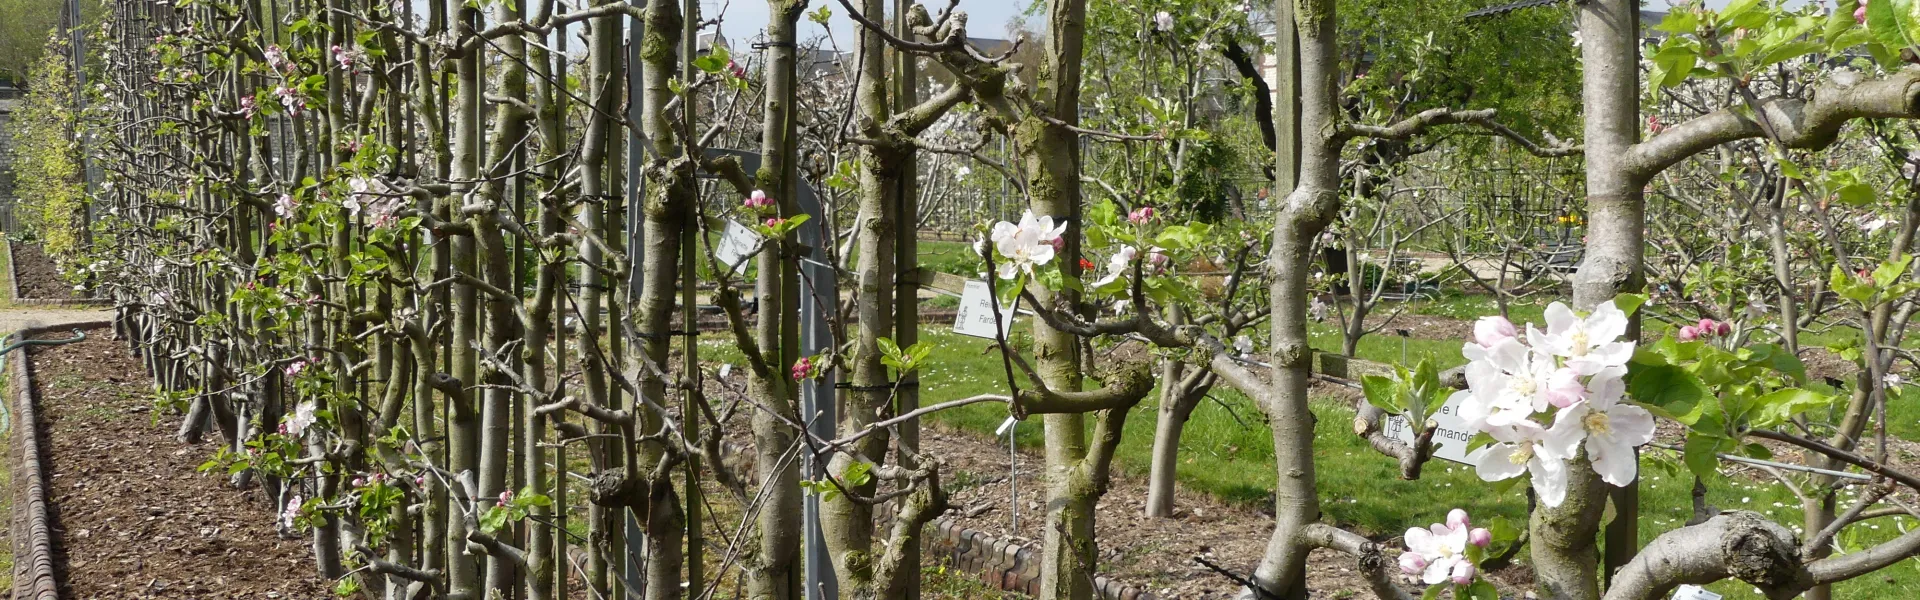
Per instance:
x=1437, y=117
x=1808, y=124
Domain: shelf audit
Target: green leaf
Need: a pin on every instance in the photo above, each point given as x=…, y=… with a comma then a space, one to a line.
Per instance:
x=858, y=474
x=1433, y=592
x=1856, y=194
x=494, y=519
x=1384, y=393
x=1669, y=389
x=1481, y=590
x=1679, y=21
x=1628, y=303
x=713, y=62
x=1701, y=451
x=1776, y=407
x=1885, y=24
x=1890, y=272
x=1844, y=284
x=1789, y=51
x=1839, y=22
x=1906, y=13
x=1735, y=9
x=1478, y=441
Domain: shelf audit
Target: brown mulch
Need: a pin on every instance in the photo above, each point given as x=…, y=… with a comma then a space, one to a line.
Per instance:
x=131, y=516
x=37, y=276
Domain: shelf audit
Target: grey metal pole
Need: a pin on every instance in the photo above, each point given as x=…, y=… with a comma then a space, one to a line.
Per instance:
x=819, y=293
x=634, y=567
x=818, y=289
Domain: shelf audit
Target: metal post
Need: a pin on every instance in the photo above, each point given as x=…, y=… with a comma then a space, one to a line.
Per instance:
x=818, y=289
x=819, y=293
x=634, y=567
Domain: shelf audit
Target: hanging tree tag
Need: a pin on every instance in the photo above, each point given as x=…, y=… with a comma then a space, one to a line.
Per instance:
x=976, y=313
x=736, y=244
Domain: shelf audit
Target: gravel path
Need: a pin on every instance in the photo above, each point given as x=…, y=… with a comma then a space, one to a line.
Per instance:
x=17, y=318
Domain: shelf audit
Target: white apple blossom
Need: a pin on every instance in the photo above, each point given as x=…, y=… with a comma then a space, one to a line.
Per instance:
x=1163, y=21
x=1117, y=265
x=1487, y=333
x=1521, y=448
x=303, y=417
x=1511, y=382
x=284, y=206
x=1026, y=245
x=1610, y=428
x=1588, y=344
x=292, y=511
x=1434, y=552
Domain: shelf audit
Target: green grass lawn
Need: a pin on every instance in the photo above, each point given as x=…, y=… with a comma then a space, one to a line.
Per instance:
x=1227, y=451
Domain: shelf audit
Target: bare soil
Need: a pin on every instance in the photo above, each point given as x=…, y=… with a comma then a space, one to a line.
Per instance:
x=1154, y=553
x=1389, y=316
x=131, y=517
x=37, y=276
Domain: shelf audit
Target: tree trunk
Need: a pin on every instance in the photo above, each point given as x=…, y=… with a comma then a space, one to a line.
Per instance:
x=1303, y=215
x=1564, y=537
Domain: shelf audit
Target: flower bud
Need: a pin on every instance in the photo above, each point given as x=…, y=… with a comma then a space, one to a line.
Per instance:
x=1492, y=330
x=1704, y=327
x=1412, y=563
x=1723, y=329
x=1457, y=518
x=1480, y=537
x=506, y=498
x=1688, y=334
x=1463, y=573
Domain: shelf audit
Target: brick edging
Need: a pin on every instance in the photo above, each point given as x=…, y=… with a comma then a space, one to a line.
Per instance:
x=32, y=535
x=1006, y=565
x=13, y=288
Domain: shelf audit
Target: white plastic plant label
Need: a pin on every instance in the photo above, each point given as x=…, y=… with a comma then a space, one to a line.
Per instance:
x=1693, y=592
x=1005, y=425
x=976, y=313
x=736, y=244
x=1449, y=442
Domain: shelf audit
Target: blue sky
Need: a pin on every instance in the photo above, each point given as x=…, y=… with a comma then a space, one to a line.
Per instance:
x=746, y=18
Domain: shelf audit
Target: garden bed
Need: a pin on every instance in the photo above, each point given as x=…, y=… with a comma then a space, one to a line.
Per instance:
x=37, y=280
x=128, y=514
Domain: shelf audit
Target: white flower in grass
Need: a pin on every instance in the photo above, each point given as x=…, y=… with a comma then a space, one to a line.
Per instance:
x=1434, y=552
x=1588, y=344
x=1030, y=243
x=1521, y=448
x=1611, y=429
